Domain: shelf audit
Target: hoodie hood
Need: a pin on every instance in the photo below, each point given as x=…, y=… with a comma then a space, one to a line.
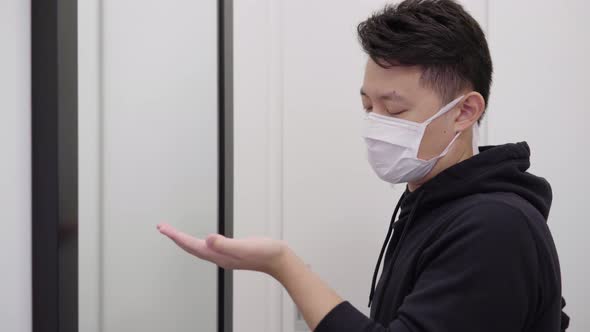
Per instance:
x=500, y=168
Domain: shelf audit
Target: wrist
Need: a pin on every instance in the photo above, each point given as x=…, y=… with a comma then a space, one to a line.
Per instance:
x=283, y=262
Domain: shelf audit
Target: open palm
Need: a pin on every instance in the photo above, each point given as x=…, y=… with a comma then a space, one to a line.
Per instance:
x=254, y=253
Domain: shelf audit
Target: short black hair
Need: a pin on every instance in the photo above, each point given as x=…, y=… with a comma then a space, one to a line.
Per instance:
x=437, y=35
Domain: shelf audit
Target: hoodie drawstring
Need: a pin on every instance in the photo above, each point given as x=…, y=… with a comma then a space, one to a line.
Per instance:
x=387, y=237
x=399, y=244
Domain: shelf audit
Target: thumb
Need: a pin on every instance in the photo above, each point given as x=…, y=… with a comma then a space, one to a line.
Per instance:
x=222, y=244
x=211, y=240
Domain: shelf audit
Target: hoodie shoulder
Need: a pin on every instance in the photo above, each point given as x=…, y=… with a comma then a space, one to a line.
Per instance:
x=505, y=214
x=497, y=203
x=501, y=218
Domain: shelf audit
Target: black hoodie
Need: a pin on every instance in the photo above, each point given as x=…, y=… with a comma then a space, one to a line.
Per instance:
x=470, y=252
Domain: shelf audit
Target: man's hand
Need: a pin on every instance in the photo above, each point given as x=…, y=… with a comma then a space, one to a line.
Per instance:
x=312, y=296
x=255, y=253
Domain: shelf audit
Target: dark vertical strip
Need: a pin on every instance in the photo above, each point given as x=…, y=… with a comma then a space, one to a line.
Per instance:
x=67, y=33
x=45, y=194
x=54, y=165
x=225, y=91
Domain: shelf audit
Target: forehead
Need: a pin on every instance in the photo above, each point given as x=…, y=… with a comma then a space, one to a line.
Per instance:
x=402, y=79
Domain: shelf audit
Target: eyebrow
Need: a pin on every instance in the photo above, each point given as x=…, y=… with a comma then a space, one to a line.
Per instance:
x=393, y=95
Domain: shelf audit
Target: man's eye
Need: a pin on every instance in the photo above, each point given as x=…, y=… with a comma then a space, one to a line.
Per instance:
x=396, y=113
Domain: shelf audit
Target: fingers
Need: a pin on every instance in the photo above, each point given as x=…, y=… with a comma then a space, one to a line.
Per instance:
x=167, y=230
x=196, y=247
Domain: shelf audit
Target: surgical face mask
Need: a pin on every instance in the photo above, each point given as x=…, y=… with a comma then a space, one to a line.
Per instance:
x=392, y=146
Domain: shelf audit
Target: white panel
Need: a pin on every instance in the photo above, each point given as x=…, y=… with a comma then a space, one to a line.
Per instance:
x=89, y=162
x=254, y=308
x=15, y=167
x=540, y=94
x=160, y=162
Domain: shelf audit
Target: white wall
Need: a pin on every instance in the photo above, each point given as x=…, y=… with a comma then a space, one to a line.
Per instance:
x=300, y=172
x=15, y=167
x=541, y=51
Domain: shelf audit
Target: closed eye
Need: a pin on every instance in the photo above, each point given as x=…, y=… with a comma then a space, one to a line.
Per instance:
x=397, y=113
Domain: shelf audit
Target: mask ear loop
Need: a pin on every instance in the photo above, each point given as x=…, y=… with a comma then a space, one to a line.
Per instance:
x=475, y=130
x=444, y=110
x=449, y=146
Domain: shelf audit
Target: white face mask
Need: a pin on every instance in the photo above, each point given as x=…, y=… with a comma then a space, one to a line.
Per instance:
x=392, y=146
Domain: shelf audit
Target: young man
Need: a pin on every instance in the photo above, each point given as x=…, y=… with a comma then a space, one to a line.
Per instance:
x=471, y=250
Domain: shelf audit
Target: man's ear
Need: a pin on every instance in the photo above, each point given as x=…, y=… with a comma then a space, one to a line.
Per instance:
x=470, y=110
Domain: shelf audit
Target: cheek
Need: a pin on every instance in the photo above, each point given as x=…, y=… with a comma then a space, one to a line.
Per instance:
x=437, y=136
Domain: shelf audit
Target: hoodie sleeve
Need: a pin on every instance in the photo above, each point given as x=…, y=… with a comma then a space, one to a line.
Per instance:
x=480, y=274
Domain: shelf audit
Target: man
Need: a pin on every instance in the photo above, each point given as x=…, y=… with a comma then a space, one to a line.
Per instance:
x=471, y=250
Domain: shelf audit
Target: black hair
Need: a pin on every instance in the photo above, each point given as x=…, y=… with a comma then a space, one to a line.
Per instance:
x=437, y=35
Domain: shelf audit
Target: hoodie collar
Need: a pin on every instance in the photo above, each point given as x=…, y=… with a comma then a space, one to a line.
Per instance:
x=500, y=168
